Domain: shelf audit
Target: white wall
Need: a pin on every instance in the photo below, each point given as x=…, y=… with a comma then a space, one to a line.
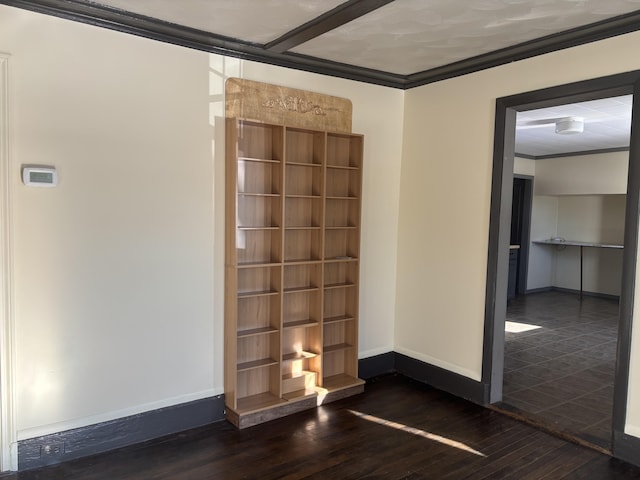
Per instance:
x=524, y=166
x=604, y=173
x=590, y=218
x=445, y=200
x=119, y=270
x=113, y=268
x=589, y=206
x=544, y=224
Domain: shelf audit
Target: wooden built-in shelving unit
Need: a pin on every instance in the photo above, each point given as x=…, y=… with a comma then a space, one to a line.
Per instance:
x=292, y=265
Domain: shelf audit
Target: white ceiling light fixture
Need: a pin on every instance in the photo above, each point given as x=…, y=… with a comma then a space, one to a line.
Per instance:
x=570, y=125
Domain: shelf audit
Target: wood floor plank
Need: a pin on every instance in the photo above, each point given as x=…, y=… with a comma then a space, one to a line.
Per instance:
x=397, y=430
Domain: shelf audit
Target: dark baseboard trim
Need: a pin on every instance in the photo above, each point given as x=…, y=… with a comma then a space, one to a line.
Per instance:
x=627, y=448
x=122, y=432
x=538, y=290
x=450, y=382
x=586, y=294
x=575, y=292
x=442, y=379
x=377, y=365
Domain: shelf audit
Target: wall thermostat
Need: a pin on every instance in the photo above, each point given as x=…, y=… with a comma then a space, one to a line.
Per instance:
x=39, y=176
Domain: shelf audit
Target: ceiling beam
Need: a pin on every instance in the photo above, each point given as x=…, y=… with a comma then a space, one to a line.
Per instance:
x=326, y=22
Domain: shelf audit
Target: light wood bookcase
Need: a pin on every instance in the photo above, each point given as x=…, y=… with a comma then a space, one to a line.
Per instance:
x=293, y=199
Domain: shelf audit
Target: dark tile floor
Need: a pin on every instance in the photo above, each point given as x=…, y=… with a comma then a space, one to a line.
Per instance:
x=562, y=372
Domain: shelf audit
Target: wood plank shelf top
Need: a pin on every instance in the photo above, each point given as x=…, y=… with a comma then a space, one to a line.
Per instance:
x=306, y=323
x=342, y=167
x=337, y=319
x=257, y=264
x=339, y=285
x=304, y=164
x=256, y=194
x=306, y=288
x=259, y=293
x=259, y=227
x=258, y=402
x=261, y=363
x=336, y=348
x=258, y=160
x=256, y=331
x=340, y=259
x=287, y=357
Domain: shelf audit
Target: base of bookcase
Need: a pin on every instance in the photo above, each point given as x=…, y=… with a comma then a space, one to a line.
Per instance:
x=320, y=397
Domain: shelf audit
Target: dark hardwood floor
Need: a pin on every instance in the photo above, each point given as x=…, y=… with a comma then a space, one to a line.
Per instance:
x=397, y=429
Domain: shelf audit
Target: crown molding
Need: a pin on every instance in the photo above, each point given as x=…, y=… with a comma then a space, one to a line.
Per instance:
x=273, y=53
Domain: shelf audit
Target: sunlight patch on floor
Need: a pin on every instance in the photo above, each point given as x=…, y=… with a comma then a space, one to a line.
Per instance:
x=516, y=327
x=417, y=431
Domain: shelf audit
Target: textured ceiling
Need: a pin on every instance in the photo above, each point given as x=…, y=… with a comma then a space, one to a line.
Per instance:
x=408, y=36
x=402, y=37
x=607, y=124
x=258, y=21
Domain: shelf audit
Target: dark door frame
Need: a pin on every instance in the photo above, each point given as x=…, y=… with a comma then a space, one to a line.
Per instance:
x=499, y=232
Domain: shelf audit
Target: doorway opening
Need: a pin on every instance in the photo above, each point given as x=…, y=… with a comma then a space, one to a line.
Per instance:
x=497, y=351
x=561, y=333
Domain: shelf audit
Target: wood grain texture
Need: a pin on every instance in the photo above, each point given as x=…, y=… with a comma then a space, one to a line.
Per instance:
x=398, y=429
x=286, y=106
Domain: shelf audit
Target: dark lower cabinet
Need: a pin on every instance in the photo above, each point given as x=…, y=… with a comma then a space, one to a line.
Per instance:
x=513, y=273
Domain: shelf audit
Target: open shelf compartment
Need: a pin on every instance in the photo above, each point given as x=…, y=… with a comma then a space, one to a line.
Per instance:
x=344, y=150
x=305, y=147
x=260, y=141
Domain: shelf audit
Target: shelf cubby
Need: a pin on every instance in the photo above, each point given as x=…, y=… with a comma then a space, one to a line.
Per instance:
x=302, y=277
x=302, y=245
x=305, y=147
x=258, y=388
x=341, y=213
x=258, y=246
x=261, y=312
x=259, y=281
x=260, y=141
x=343, y=183
x=340, y=274
x=258, y=212
x=340, y=303
x=341, y=244
x=301, y=308
x=303, y=212
x=344, y=150
x=303, y=180
x=258, y=178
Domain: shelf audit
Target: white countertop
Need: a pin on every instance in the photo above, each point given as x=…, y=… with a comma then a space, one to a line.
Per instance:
x=575, y=243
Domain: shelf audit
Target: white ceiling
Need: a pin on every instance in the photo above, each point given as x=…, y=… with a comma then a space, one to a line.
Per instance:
x=402, y=37
x=607, y=124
